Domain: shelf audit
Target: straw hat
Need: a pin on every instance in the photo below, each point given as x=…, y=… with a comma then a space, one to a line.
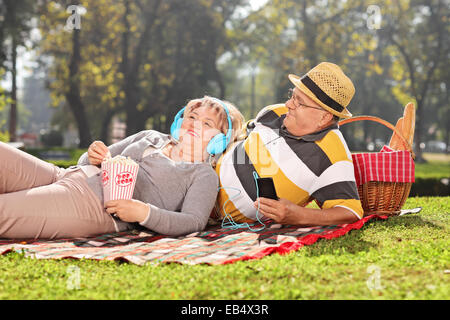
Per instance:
x=328, y=86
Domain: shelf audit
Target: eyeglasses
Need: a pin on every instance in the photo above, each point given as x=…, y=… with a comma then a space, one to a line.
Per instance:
x=298, y=104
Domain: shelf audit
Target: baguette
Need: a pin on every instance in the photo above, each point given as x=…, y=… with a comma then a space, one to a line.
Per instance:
x=409, y=121
x=396, y=142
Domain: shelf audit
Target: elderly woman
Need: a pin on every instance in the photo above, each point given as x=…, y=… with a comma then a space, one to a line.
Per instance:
x=175, y=190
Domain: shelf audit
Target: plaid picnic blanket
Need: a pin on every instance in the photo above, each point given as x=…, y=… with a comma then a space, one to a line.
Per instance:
x=213, y=246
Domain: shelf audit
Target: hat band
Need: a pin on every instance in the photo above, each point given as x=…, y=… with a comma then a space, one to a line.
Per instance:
x=322, y=96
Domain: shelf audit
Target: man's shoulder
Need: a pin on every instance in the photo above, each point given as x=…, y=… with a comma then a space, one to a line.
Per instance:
x=333, y=144
x=270, y=116
x=271, y=112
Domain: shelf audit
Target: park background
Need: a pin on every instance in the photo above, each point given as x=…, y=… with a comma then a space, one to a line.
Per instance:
x=72, y=72
x=77, y=71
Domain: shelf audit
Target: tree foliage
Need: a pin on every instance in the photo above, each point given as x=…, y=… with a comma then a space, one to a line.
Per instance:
x=419, y=32
x=373, y=51
x=15, y=29
x=142, y=60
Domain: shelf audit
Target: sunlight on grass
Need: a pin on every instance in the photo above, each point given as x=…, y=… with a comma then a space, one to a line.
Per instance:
x=437, y=157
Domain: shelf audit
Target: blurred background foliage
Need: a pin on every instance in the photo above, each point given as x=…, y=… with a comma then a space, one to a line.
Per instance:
x=140, y=61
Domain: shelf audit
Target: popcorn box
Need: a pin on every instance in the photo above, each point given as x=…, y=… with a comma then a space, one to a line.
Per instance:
x=119, y=176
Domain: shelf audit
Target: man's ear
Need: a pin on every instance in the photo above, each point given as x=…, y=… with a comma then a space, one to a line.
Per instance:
x=326, y=119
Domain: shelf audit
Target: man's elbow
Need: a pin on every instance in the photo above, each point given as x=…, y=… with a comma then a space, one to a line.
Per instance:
x=353, y=219
x=350, y=216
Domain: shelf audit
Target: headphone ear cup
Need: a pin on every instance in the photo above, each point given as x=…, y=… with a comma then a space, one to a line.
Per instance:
x=175, y=128
x=217, y=144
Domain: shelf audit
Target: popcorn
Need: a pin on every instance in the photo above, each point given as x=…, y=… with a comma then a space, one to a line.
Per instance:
x=119, y=176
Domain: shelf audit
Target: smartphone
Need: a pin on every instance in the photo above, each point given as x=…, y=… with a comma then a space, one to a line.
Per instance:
x=267, y=188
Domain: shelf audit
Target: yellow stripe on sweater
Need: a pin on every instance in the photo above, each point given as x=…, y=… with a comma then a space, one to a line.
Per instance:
x=333, y=147
x=352, y=204
x=266, y=167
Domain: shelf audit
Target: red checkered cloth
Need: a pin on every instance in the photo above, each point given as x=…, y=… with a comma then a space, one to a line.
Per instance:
x=387, y=165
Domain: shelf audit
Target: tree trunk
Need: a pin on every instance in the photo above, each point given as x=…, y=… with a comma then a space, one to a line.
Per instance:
x=366, y=110
x=132, y=87
x=220, y=82
x=13, y=110
x=447, y=140
x=252, y=102
x=156, y=122
x=106, y=121
x=419, y=133
x=73, y=95
x=168, y=122
x=309, y=34
x=132, y=97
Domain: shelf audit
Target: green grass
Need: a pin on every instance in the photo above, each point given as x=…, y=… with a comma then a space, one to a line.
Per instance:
x=74, y=154
x=432, y=170
x=410, y=253
x=438, y=166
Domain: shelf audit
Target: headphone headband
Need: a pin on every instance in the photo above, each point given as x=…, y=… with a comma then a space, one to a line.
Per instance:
x=230, y=127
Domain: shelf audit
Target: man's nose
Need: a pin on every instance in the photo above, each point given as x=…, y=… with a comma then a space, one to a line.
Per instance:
x=289, y=104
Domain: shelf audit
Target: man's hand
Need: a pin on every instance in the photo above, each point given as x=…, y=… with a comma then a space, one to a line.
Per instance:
x=128, y=210
x=97, y=152
x=281, y=211
x=286, y=212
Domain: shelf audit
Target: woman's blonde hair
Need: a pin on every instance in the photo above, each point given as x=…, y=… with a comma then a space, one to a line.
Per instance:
x=237, y=119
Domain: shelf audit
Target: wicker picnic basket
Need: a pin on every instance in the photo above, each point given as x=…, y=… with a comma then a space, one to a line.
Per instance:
x=381, y=197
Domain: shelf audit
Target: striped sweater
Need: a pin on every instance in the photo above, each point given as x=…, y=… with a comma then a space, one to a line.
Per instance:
x=315, y=166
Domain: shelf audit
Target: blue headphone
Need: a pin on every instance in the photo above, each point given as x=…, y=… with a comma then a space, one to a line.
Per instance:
x=218, y=143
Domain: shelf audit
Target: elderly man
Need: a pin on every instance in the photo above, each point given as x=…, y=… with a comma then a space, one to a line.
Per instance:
x=300, y=146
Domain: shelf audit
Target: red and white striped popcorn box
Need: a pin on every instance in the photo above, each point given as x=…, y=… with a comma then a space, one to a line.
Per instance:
x=119, y=179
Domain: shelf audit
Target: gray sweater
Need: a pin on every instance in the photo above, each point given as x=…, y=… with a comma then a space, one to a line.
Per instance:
x=181, y=194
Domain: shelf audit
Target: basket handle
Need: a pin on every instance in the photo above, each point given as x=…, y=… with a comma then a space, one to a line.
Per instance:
x=385, y=123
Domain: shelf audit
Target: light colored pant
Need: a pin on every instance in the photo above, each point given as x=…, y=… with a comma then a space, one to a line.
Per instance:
x=40, y=200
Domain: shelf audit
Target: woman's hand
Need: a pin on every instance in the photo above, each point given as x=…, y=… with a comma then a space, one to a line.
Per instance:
x=97, y=152
x=128, y=210
x=281, y=211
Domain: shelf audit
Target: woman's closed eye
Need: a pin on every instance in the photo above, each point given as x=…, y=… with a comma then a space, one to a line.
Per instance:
x=207, y=123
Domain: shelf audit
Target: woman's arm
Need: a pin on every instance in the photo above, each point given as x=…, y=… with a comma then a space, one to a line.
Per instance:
x=195, y=211
x=116, y=148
